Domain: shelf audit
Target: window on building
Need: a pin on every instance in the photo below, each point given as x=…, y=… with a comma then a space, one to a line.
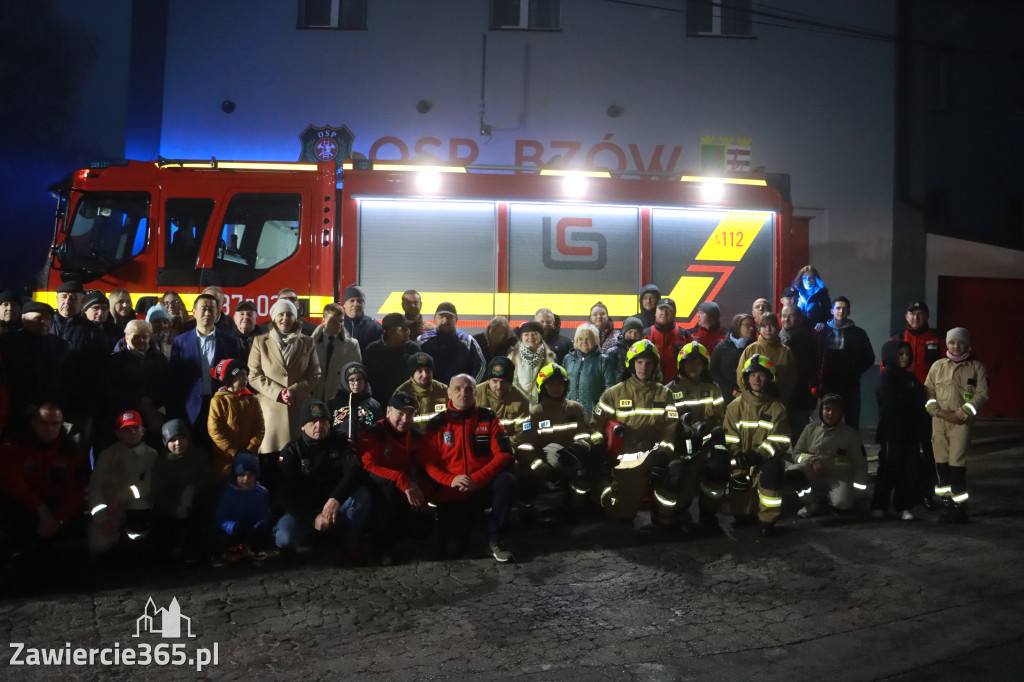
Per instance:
x=725, y=18
x=340, y=14
x=532, y=15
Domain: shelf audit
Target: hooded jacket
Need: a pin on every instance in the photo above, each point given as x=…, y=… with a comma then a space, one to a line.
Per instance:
x=362, y=409
x=647, y=316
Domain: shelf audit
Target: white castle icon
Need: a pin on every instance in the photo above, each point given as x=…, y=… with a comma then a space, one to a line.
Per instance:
x=163, y=622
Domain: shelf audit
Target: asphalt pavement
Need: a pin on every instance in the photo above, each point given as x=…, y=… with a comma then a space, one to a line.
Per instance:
x=830, y=598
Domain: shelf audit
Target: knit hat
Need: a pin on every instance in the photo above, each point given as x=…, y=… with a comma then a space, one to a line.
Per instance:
x=417, y=360
x=283, y=305
x=36, y=307
x=129, y=418
x=711, y=308
x=72, y=286
x=8, y=296
x=227, y=370
x=313, y=410
x=632, y=323
x=245, y=461
x=157, y=312
x=353, y=368
x=173, y=429
x=402, y=401
x=958, y=333
x=353, y=291
x=500, y=367
x=95, y=298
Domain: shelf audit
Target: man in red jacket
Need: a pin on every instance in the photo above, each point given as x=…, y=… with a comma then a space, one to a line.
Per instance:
x=467, y=451
x=41, y=483
x=668, y=337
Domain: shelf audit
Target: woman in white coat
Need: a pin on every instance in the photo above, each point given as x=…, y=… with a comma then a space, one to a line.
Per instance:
x=284, y=370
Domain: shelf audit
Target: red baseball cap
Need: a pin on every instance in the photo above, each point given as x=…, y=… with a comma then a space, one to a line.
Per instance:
x=129, y=418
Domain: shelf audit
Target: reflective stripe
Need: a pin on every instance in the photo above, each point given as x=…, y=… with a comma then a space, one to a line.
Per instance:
x=930, y=401
x=581, y=436
x=664, y=500
x=422, y=417
x=606, y=407
x=630, y=456
x=135, y=491
x=769, y=501
x=731, y=439
x=747, y=425
x=525, y=447
x=968, y=406
x=713, y=493
x=536, y=464
x=596, y=437
x=860, y=486
x=768, y=446
x=766, y=425
x=667, y=446
x=134, y=536
x=801, y=493
x=98, y=508
x=962, y=497
x=942, y=490
x=580, y=491
x=718, y=401
x=558, y=427
x=801, y=457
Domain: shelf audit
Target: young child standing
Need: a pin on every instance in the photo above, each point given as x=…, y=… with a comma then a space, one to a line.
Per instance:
x=241, y=524
x=182, y=488
x=957, y=388
x=120, y=496
x=236, y=418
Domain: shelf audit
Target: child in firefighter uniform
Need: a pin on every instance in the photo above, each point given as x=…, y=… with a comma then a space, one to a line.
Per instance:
x=757, y=438
x=828, y=461
x=701, y=408
x=637, y=418
x=555, y=444
x=957, y=388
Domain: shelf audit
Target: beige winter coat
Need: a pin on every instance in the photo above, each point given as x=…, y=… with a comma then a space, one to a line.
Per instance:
x=345, y=351
x=269, y=375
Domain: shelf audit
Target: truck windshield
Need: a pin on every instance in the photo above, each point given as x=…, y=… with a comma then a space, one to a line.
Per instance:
x=108, y=229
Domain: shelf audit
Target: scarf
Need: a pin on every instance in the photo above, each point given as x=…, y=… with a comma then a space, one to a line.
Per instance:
x=958, y=358
x=287, y=343
x=527, y=369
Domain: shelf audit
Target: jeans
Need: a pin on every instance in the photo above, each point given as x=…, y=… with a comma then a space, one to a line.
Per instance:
x=295, y=528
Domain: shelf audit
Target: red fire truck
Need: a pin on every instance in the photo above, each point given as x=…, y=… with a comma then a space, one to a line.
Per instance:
x=494, y=241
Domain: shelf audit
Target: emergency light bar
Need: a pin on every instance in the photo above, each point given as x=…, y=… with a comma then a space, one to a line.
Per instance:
x=759, y=182
x=238, y=165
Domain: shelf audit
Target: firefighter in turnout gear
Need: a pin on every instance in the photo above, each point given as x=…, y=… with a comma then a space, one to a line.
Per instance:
x=638, y=418
x=555, y=444
x=957, y=388
x=701, y=408
x=757, y=437
x=497, y=393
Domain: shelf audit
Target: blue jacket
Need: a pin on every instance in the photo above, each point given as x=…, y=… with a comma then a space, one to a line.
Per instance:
x=453, y=354
x=242, y=510
x=590, y=375
x=185, y=399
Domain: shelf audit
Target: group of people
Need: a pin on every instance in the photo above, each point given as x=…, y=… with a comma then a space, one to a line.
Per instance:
x=148, y=429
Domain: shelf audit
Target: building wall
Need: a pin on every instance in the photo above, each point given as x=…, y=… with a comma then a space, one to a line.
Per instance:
x=815, y=106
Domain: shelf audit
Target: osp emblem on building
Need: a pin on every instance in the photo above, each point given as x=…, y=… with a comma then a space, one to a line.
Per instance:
x=326, y=143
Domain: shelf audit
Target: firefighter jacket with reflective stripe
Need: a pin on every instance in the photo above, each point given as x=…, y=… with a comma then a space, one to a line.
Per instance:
x=838, y=447
x=645, y=408
x=389, y=454
x=554, y=421
x=785, y=365
x=702, y=400
x=465, y=442
x=513, y=411
x=961, y=386
x=757, y=424
x=429, y=401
